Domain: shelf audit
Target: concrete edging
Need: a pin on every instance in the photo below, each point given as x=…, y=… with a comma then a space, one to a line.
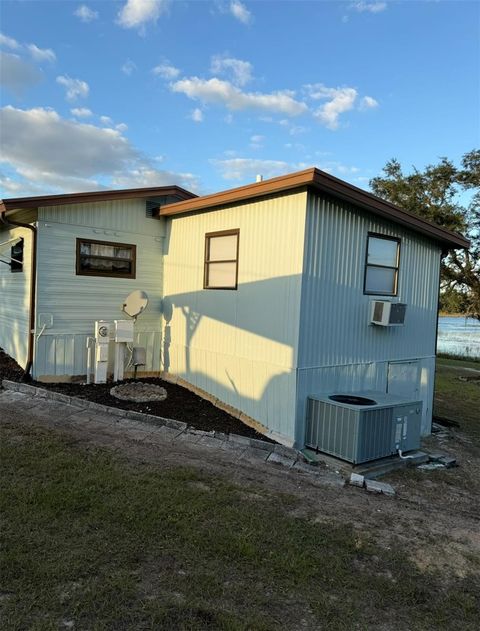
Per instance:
x=286, y=456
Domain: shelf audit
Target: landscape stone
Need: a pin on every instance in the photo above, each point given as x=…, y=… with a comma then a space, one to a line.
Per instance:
x=287, y=452
x=261, y=444
x=374, y=486
x=448, y=461
x=280, y=459
x=357, y=480
x=241, y=440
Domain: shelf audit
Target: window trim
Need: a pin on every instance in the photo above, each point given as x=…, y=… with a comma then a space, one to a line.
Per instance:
x=386, y=237
x=207, y=262
x=80, y=272
x=19, y=269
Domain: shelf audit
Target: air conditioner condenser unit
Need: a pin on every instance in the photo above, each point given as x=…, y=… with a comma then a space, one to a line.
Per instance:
x=362, y=426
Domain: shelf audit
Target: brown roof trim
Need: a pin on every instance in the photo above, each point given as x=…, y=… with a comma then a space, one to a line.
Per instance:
x=321, y=181
x=93, y=196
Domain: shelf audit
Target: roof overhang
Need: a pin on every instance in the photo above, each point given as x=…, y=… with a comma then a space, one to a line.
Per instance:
x=23, y=203
x=320, y=181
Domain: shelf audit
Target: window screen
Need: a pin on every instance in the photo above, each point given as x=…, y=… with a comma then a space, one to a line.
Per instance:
x=102, y=258
x=381, y=269
x=221, y=260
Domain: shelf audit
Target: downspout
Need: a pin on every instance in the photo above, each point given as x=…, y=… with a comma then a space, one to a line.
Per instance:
x=33, y=285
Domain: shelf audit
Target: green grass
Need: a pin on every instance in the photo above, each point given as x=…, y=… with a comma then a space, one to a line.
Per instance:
x=457, y=399
x=89, y=537
x=458, y=361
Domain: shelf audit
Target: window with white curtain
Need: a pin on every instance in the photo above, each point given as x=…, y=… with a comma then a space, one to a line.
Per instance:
x=221, y=260
x=103, y=258
x=381, y=269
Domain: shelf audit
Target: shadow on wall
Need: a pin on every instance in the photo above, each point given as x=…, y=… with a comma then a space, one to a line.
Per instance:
x=267, y=313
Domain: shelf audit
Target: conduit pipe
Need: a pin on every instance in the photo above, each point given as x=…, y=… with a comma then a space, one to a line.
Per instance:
x=33, y=288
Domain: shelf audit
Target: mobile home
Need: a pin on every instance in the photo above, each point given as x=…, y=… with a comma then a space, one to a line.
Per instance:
x=260, y=296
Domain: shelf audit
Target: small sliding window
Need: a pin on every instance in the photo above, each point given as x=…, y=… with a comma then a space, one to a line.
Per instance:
x=381, y=268
x=103, y=258
x=221, y=260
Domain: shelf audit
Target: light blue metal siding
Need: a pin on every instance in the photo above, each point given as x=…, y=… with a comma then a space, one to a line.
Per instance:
x=74, y=302
x=335, y=313
x=15, y=296
x=338, y=349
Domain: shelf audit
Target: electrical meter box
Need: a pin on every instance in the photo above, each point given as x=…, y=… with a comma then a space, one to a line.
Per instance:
x=102, y=331
x=123, y=331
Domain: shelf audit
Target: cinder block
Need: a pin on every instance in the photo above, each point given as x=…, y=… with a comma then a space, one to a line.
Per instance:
x=11, y=385
x=170, y=422
x=279, y=459
x=58, y=396
x=448, y=461
x=241, y=440
x=374, y=486
x=262, y=444
x=287, y=452
x=136, y=416
x=253, y=454
x=357, y=480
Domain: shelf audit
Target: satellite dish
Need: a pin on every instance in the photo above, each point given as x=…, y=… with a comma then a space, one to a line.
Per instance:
x=135, y=303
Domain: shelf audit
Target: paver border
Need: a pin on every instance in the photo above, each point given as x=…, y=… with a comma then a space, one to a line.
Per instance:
x=277, y=453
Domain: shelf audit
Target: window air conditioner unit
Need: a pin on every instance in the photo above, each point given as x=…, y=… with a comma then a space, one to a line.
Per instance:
x=385, y=313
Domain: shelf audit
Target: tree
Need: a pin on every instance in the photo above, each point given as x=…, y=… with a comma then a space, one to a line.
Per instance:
x=450, y=197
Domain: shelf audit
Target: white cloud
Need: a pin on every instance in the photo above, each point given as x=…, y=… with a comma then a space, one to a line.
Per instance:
x=81, y=112
x=85, y=13
x=166, y=70
x=247, y=168
x=339, y=100
x=9, y=42
x=47, y=151
x=240, y=71
x=223, y=92
x=240, y=12
x=129, y=67
x=197, y=115
x=370, y=7
x=136, y=13
x=17, y=75
x=75, y=88
x=106, y=120
x=121, y=127
x=149, y=176
x=368, y=102
x=256, y=141
x=41, y=54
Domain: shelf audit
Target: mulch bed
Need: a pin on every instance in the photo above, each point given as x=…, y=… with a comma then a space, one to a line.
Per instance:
x=180, y=404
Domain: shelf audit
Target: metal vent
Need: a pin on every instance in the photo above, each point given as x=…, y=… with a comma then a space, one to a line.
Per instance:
x=150, y=208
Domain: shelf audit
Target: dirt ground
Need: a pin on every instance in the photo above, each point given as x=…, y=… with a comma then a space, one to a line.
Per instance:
x=436, y=514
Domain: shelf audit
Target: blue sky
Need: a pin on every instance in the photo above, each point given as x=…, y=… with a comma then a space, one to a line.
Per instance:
x=208, y=94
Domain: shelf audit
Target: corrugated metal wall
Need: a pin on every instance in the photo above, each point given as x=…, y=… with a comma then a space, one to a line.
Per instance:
x=239, y=345
x=15, y=294
x=75, y=302
x=337, y=347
